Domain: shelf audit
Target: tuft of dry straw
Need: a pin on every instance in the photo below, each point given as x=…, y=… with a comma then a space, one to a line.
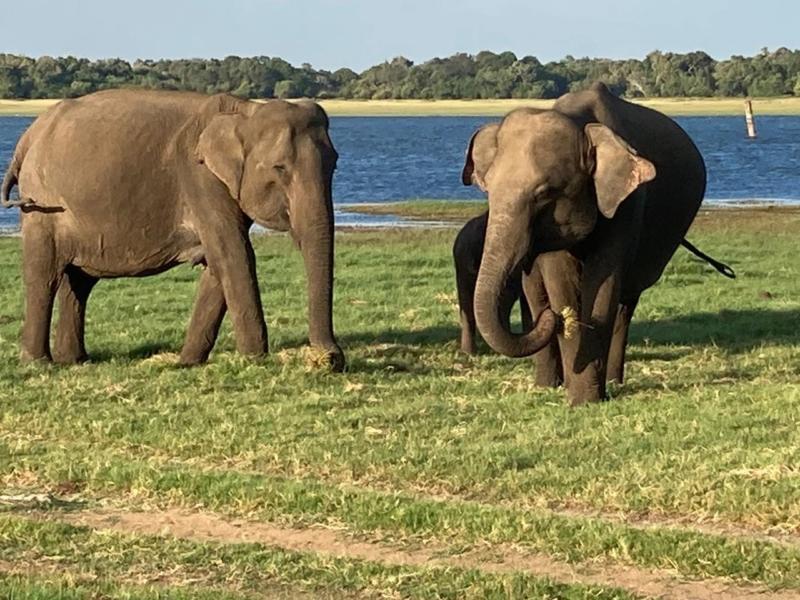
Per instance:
x=317, y=358
x=569, y=320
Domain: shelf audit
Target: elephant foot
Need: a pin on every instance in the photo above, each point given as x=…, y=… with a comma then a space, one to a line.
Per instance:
x=549, y=373
x=190, y=360
x=547, y=380
x=26, y=357
x=70, y=358
x=580, y=398
x=256, y=348
x=469, y=347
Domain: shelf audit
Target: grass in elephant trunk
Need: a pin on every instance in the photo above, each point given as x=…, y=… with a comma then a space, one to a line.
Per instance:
x=691, y=471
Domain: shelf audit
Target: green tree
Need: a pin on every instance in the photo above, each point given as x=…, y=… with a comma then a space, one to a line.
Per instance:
x=285, y=88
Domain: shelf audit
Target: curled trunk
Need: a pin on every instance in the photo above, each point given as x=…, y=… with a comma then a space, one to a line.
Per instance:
x=507, y=242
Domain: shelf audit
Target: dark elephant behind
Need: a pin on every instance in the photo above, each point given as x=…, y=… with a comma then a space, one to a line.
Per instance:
x=131, y=183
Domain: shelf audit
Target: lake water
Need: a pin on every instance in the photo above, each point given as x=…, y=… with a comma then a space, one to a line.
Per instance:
x=385, y=159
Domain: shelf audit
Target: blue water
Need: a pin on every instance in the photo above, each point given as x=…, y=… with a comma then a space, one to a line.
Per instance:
x=398, y=158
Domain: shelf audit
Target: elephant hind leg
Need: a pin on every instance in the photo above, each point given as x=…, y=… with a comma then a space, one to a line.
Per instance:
x=619, y=340
x=465, y=286
x=73, y=294
x=41, y=274
x=468, y=330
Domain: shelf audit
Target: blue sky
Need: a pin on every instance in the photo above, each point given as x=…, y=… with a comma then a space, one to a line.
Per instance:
x=359, y=33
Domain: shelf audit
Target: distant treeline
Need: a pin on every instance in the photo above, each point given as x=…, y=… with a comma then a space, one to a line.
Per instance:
x=484, y=75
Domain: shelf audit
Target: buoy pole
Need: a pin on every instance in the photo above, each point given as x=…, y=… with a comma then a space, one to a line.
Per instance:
x=749, y=119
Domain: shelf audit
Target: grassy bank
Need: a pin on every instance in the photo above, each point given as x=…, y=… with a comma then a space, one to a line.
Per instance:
x=423, y=210
x=456, y=211
x=670, y=106
x=429, y=473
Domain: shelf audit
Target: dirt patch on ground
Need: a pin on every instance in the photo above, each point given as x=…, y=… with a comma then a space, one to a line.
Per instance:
x=208, y=527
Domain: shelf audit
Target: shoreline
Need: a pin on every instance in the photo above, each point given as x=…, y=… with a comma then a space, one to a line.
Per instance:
x=443, y=214
x=676, y=107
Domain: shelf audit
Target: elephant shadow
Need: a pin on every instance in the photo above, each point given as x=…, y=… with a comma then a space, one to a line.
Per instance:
x=735, y=331
x=390, y=350
x=139, y=352
x=428, y=336
x=732, y=330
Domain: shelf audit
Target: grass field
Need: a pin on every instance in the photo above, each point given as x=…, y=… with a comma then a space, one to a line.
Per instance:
x=670, y=106
x=420, y=472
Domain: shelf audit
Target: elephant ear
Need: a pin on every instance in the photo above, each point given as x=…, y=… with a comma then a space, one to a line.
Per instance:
x=221, y=150
x=480, y=155
x=618, y=168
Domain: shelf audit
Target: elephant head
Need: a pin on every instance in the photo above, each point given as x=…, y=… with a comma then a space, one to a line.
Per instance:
x=276, y=161
x=547, y=178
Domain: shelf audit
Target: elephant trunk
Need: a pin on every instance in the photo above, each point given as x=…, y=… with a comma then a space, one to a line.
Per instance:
x=313, y=232
x=507, y=243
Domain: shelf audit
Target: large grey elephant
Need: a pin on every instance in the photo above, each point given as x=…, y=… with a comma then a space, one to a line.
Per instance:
x=589, y=201
x=131, y=183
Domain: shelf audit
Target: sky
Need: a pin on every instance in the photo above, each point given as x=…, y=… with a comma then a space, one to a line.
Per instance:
x=360, y=33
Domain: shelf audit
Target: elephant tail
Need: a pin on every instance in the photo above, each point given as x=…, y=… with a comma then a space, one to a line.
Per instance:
x=719, y=266
x=9, y=181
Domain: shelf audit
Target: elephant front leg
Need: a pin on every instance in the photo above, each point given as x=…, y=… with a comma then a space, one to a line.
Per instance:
x=209, y=310
x=600, y=294
x=73, y=294
x=549, y=370
x=232, y=262
x=619, y=341
x=588, y=376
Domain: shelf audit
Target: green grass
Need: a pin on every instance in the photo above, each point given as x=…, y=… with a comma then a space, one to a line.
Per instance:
x=670, y=106
x=416, y=441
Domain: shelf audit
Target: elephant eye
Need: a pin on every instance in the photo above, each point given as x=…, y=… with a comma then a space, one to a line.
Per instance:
x=544, y=191
x=280, y=168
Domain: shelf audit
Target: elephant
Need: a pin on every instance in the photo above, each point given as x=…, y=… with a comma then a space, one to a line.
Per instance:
x=128, y=183
x=588, y=201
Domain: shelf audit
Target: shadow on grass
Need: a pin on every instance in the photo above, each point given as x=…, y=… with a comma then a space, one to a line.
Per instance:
x=429, y=336
x=139, y=352
x=655, y=354
x=732, y=330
